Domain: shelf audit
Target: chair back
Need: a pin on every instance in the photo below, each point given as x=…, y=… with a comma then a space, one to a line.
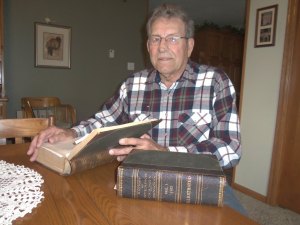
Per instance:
x=41, y=102
x=64, y=114
x=28, y=104
x=19, y=129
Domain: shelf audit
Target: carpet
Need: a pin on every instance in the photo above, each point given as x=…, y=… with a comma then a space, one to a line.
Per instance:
x=265, y=214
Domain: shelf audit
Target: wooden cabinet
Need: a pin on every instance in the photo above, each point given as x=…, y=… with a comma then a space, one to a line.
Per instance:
x=3, y=99
x=3, y=106
x=221, y=48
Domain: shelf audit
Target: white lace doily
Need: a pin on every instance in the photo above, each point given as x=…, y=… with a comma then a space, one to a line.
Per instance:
x=19, y=191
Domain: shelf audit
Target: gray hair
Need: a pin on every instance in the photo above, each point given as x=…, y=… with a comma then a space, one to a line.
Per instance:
x=169, y=11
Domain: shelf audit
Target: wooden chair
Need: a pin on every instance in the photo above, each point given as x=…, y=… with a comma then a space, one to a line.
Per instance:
x=20, y=129
x=64, y=114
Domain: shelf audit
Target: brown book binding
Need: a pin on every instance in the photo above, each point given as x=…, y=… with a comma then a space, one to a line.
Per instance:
x=172, y=176
x=90, y=161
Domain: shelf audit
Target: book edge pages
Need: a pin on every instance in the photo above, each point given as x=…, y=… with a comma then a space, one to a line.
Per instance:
x=130, y=124
x=80, y=146
x=54, y=161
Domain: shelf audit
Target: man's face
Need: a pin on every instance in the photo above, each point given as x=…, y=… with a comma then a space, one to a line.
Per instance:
x=169, y=59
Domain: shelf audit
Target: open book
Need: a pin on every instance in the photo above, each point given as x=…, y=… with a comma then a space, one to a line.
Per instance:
x=79, y=154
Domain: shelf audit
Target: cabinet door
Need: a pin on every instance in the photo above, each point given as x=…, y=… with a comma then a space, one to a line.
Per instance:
x=212, y=44
x=227, y=47
x=207, y=48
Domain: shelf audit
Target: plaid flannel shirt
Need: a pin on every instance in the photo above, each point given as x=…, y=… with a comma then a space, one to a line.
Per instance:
x=198, y=111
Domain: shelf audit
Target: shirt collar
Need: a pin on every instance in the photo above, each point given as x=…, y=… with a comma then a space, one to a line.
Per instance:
x=188, y=74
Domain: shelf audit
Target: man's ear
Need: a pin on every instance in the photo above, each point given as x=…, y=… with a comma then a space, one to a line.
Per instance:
x=148, y=46
x=191, y=43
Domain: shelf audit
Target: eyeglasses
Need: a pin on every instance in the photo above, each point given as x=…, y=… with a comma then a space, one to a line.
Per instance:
x=155, y=40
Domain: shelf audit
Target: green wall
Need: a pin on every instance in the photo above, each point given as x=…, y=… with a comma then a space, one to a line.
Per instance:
x=97, y=26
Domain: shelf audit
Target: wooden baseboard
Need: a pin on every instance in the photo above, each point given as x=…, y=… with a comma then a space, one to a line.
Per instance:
x=249, y=192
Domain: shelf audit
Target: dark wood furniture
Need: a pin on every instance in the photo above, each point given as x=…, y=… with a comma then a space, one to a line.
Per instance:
x=34, y=107
x=89, y=198
x=3, y=107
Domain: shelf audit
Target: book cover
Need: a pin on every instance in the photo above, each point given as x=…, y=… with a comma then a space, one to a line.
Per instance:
x=76, y=155
x=171, y=176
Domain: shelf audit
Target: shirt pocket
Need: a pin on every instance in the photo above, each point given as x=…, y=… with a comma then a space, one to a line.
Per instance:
x=193, y=127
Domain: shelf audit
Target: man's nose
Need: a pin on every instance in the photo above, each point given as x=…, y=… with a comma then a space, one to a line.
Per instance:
x=163, y=44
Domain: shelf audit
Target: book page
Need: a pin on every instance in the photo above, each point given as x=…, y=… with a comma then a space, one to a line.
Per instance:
x=115, y=127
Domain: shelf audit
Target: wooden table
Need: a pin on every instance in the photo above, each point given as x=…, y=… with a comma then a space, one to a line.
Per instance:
x=89, y=198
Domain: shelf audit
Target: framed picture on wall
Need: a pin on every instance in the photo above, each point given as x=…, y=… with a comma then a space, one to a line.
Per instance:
x=265, y=26
x=52, y=45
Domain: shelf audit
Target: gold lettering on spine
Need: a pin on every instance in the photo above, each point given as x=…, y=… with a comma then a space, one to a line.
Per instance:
x=199, y=188
x=221, y=191
x=135, y=183
x=178, y=187
x=154, y=185
x=120, y=185
x=196, y=188
x=171, y=190
x=188, y=189
x=145, y=186
x=158, y=177
x=202, y=187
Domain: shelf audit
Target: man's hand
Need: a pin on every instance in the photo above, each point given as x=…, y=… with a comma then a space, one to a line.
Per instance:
x=128, y=144
x=52, y=134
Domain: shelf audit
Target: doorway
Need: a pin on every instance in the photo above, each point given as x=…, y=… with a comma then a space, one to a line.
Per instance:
x=284, y=182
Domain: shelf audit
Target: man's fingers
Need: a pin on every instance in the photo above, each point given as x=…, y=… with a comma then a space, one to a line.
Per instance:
x=32, y=146
x=121, y=158
x=51, y=134
x=133, y=141
x=34, y=156
x=146, y=136
x=120, y=151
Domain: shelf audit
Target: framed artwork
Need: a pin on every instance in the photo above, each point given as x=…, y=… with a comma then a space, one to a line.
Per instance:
x=265, y=26
x=52, y=46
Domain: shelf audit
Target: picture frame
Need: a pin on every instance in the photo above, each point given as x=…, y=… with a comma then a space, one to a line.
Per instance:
x=265, y=31
x=52, y=45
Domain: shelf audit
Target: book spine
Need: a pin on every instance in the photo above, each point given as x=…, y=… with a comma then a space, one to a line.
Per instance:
x=170, y=186
x=91, y=160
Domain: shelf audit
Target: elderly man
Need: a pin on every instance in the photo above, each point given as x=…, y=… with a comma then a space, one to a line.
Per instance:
x=195, y=102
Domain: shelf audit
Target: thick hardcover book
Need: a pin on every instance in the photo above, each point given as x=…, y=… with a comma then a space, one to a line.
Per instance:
x=171, y=176
x=76, y=155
